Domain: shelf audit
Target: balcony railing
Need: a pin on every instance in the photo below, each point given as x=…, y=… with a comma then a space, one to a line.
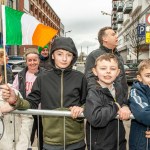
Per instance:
x=114, y=16
x=128, y=7
x=120, y=6
x=120, y=18
x=115, y=27
x=114, y=6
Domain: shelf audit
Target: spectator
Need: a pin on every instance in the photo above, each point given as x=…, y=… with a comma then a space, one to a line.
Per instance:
x=62, y=89
x=37, y=124
x=10, y=76
x=108, y=42
x=102, y=106
x=44, y=57
x=139, y=99
x=23, y=82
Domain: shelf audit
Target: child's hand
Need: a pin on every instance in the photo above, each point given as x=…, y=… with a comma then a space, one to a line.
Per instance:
x=8, y=94
x=147, y=134
x=124, y=113
x=75, y=111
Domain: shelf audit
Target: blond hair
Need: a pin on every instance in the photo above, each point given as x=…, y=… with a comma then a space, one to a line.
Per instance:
x=145, y=64
x=107, y=57
x=1, y=54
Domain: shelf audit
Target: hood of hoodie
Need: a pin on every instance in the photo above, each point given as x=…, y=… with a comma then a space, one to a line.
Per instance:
x=65, y=43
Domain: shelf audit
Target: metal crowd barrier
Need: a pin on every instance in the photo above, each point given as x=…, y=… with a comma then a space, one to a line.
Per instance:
x=50, y=113
x=63, y=113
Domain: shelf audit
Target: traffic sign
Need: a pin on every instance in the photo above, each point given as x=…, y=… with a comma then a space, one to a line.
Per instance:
x=141, y=30
x=148, y=19
x=147, y=31
x=147, y=38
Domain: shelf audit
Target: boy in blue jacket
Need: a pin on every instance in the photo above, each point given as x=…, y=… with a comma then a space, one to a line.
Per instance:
x=139, y=101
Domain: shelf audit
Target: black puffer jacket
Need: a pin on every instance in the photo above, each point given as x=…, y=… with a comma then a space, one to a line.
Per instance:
x=120, y=80
x=100, y=111
x=60, y=89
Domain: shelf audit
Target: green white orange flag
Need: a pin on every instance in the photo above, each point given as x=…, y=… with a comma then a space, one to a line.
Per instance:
x=20, y=28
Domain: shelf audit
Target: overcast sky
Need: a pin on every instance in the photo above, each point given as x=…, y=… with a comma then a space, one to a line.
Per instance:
x=84, y=18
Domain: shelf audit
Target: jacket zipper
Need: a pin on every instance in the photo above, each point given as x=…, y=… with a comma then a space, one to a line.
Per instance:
x=62, y=105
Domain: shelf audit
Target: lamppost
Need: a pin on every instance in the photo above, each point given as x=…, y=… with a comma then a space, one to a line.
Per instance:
x=105, y=13
x=67, y=32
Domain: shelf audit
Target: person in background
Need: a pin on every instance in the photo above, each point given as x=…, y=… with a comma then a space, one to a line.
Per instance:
x=61, y=88
x=12, y=125
x=10, y=76
x=139, y=102
x=44, y=57
x=108, y=40
x=103, y=104
x=37, y=124
x=23, y=83
x=12, y=122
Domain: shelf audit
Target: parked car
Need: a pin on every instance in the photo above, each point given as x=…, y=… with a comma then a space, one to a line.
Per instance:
x=80, y=68
x=131, y=72
x=17, y=66
x=15, y=57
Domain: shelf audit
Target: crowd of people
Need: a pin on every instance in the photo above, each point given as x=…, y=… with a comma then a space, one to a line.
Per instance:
x=101, y=93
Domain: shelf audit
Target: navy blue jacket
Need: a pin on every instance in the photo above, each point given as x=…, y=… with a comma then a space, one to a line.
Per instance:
x=139, y=102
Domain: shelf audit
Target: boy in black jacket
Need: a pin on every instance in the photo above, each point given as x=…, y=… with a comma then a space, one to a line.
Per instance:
x=62, y=88
x=102, y=106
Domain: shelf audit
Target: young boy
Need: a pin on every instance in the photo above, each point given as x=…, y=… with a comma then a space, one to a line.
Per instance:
x=103, y=103
x=139, y=101
x=63, y=89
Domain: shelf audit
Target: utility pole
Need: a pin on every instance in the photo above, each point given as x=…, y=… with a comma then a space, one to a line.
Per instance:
x=81, y=55
x=87, y=50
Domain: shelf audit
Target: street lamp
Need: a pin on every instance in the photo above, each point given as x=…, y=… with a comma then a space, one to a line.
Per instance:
x=67, y=32
x=105, y=13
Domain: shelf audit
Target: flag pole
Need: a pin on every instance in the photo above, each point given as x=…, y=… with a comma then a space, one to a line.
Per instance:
x=5, y=70
x=5, y=65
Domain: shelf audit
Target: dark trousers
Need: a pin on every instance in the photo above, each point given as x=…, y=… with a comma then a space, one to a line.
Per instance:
x=37, y=124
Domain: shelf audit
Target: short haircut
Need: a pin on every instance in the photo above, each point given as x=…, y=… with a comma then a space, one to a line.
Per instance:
x=107, y=57
x=30, y=51
x=101, y=34
x=145, y=64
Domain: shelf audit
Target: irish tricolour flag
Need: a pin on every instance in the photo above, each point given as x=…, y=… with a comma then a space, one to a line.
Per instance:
x=23, y=29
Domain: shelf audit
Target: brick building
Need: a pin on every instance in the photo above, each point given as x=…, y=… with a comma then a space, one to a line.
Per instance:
x=42, y=11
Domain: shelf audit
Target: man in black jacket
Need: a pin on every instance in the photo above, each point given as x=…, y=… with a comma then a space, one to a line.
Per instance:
x=108, y=40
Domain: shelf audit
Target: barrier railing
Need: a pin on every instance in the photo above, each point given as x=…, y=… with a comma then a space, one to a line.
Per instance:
x=50, y=113
x=62, y=113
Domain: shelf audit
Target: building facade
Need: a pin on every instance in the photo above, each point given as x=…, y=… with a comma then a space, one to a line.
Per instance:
x=42, y=11
x=127, y=17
